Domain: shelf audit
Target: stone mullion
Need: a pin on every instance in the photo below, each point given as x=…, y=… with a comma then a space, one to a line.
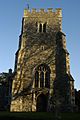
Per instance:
x=39, y=79
x=44, y=77
x=42, y=26
x=38, y=27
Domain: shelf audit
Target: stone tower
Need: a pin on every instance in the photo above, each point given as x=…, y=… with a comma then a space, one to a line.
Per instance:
x=42, y=76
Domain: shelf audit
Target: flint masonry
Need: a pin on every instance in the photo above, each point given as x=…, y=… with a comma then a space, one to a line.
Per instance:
x=42, y=78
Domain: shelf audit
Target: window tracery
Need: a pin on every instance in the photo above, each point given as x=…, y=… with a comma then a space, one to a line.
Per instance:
x=42, y=76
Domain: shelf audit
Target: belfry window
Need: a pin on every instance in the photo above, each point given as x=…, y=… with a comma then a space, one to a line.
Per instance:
x=41, y=27
x=44, y=27
x=42, y=76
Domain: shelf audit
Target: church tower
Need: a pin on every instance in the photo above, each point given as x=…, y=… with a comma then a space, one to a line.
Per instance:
x=42, y=76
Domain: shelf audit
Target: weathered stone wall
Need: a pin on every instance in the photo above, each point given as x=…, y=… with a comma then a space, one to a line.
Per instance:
x=36, y=48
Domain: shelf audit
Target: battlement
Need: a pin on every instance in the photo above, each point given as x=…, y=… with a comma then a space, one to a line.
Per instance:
x=34, y=12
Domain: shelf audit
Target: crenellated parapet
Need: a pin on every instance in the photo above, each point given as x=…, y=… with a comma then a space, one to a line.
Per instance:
x=49, y=16
x=34, y=12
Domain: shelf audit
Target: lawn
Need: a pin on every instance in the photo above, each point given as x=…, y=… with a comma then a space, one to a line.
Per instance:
x=38, y=116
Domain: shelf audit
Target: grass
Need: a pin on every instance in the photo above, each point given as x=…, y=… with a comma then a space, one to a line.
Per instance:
x=38, y=116
x=27, y=115
x=70, y=116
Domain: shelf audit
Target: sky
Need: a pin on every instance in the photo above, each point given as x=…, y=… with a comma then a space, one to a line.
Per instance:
x=11, y=13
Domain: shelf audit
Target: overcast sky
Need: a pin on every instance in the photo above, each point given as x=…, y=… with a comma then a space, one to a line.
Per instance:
x=11, y=12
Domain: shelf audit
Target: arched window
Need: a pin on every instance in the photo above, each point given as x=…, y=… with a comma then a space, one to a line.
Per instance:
x=44, y=27
x=47, y=77
x=36, y=26
x=42, y=76
x=40, y=28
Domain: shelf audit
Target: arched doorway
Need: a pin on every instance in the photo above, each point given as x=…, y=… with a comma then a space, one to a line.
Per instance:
x=42, y=101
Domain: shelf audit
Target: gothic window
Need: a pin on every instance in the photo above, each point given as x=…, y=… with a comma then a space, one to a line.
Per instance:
x=41, y=79
x=36, y=78
x=47, y=77
x=42, y=76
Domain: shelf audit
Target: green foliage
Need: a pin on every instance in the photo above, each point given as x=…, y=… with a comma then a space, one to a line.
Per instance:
x=3, y=76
